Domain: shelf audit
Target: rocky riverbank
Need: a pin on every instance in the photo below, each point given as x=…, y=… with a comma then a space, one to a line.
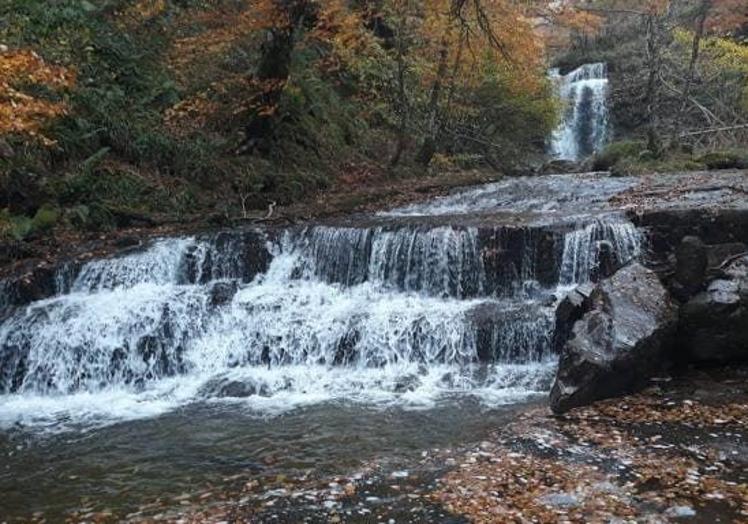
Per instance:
x=675, y=452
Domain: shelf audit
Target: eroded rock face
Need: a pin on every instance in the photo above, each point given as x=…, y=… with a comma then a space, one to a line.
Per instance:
x=619, y=342
x=714, y=323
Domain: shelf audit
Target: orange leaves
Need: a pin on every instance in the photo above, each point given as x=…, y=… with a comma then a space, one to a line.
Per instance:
x=582, y=22
x=21, y=112
x=727, y=15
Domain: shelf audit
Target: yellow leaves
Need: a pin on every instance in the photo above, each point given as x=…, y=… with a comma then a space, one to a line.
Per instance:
x=720, y=58
x=484, y=38
x=21, y=112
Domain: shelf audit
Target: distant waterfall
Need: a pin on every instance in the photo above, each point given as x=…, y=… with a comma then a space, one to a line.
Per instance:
x=584, y=126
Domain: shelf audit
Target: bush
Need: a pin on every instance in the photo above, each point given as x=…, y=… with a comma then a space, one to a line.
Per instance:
x=725, y=160
x=637, y=166
x=21, y=227
x=616, y=152
x=45, y=219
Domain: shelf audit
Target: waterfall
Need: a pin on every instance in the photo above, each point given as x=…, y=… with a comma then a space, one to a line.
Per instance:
x=440, y=261
x=395, y=313
x=583, y=248
x=584, y=126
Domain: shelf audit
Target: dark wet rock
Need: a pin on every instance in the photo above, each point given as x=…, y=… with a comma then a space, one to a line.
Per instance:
x=346, y=351
x=619, y=342
x=241, y=254
x=509, y=253
x=666, y=228
x=718, y=255
x=127, y=242
x=691, y=262
x=407, y=383
x=222, y=293
x=37, y=284
x=13, y=367
x=571, y=309
x=227, y=388
x=714, y=323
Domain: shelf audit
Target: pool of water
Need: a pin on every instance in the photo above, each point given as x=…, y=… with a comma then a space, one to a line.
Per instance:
x=123, y=466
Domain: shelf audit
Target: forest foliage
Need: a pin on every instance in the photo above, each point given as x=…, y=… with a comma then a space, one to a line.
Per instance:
x=130, y=112
x=117, y=112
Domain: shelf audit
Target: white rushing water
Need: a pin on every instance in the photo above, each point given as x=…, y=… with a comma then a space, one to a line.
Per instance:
x=584, y=126
x=407, y=315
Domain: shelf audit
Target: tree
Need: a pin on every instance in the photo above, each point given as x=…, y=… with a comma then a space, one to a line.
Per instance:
x=661, y=72
x=283, y=21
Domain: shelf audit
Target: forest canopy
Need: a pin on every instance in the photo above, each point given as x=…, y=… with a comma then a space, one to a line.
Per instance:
x=129, y=112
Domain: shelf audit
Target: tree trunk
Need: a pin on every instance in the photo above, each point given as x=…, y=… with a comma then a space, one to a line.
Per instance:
x=428, y=148
x=701, y=17
x=402, y=101
x=273, y=72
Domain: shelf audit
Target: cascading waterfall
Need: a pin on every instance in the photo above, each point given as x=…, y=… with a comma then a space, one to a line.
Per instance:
x=583, y=248
x=440, y=261
x=584, y=126
x=406, y=314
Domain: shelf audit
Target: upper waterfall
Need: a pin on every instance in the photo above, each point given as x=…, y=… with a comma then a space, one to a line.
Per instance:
x=584, y=126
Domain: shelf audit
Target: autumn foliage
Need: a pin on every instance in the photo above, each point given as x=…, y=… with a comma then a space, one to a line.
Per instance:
x=20, y=111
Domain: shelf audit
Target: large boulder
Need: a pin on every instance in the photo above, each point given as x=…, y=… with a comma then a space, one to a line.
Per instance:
x=619, y=342
x=691, y=261
x=714, y=323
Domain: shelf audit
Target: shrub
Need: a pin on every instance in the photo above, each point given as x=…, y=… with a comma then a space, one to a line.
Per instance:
x=45, y=219
x=617, y=151
x=725, y=160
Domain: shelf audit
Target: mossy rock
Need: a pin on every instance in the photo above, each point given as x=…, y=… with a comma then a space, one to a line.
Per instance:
x=725, y=160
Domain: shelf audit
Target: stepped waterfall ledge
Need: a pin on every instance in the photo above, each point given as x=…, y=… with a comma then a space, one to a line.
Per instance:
x=584, y=126
x=400, y=312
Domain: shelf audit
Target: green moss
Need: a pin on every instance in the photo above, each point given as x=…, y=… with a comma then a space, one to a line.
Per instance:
x=45, y=219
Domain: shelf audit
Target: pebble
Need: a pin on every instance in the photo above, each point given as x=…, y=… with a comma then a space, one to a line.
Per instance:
x=563, y=500
x=680, y=512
